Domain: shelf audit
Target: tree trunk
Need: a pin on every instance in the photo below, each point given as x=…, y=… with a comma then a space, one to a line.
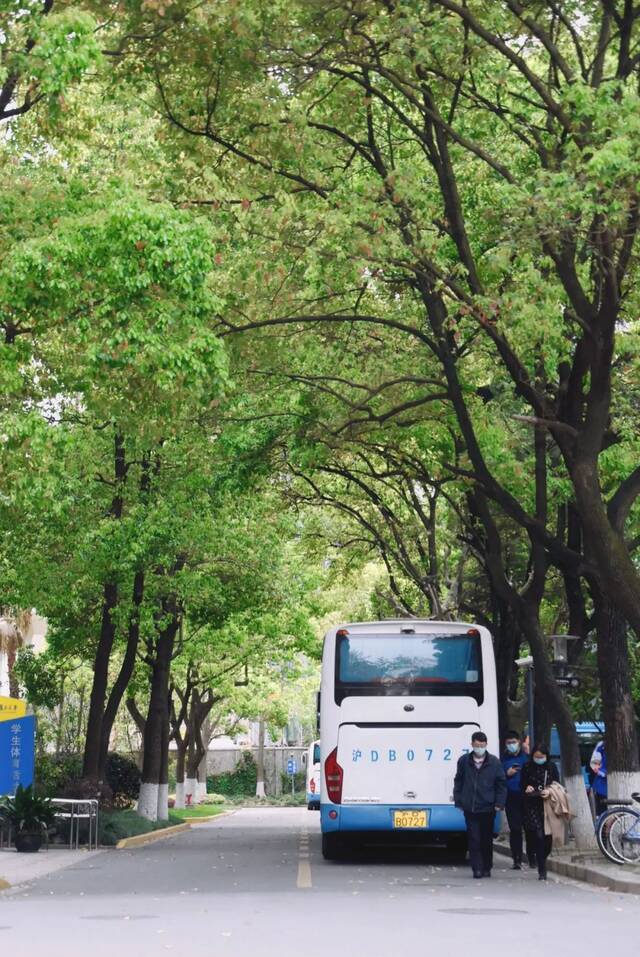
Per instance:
x=156, y=733
x=506, y=640
x=606, y=546
x=181, y=756
x=163, y=783
x=582, y=823
x=260, y=789
x=621, y=737
x=203, y=772
x=60, y=718
x=126, y=671
x=93, y=740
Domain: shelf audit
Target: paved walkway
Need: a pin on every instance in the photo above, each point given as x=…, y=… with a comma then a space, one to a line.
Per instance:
x=23, y=868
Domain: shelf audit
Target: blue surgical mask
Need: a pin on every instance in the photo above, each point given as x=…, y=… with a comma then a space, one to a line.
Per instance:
x=513, y=747
x=539, y=760
x=479, y=752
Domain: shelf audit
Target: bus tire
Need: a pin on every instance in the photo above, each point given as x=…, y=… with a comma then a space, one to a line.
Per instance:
x=332, y=847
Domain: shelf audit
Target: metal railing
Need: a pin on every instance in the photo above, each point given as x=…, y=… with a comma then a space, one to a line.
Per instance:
x=75, y=812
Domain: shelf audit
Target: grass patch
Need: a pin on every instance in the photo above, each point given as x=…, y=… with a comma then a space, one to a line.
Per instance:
x=200, y=810
x=114, y=825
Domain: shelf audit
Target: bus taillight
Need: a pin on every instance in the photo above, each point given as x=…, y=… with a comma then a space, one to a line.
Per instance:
x=333, y=776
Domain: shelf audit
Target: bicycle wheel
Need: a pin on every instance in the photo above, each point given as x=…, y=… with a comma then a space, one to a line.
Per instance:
x=624, y=836
x=603, y=831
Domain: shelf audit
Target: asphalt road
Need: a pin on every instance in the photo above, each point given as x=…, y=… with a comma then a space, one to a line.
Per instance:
x=253, y=884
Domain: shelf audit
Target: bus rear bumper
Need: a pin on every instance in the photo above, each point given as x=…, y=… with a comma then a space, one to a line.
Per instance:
x=442, y=818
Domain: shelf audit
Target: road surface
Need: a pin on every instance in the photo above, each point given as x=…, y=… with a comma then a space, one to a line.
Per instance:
x=253, y=884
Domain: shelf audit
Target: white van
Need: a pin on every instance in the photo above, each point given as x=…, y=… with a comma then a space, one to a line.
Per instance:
x=313, y=776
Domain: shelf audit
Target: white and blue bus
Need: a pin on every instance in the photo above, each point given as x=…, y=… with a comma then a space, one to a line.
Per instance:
x=399, y=701
x=313, y=776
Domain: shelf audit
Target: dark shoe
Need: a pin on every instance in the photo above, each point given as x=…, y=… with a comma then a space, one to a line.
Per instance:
x=532, y=862
x=516, y=866
x=542, y=876
x=486, y=873
x=477, y=874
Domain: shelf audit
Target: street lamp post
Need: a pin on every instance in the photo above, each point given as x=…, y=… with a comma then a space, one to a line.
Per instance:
x=527, y=665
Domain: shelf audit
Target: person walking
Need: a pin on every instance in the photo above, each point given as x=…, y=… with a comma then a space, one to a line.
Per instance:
x=513, y=760
x=598, y=766
x=480, y=789
x=535, y=778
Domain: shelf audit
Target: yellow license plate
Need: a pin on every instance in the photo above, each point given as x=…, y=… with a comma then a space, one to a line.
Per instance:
x=410, y=819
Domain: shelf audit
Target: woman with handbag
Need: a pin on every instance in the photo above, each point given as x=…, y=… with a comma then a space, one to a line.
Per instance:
x=536, y=776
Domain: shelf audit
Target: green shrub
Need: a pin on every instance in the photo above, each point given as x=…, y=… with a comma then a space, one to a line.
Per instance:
x=117, y=824
x=241, y=781
x=54, y=773
x=60, y=776
x=123, y=777
x=213, y=799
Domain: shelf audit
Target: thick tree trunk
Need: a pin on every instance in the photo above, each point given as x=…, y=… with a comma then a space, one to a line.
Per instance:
x=260, y=788
x=582, y=823
x=156, y=728
x=93, y=740
x=181, y=756
x=606, y=547
x=621, y=737
x=506, y=641
x=163, y=784
x=203, y=771
x=126, y=671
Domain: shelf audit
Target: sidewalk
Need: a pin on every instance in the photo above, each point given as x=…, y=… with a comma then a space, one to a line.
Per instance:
x=21, y=868
x=590, y=867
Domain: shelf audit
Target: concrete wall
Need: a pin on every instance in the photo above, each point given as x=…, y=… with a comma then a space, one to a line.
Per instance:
x=224, y=760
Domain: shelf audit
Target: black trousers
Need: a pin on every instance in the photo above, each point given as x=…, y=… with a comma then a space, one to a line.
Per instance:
x=515, y=819
x=600, y=803
x=542, y=843
x=480, y=835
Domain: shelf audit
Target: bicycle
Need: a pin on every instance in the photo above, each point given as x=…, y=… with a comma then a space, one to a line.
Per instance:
x=618, y=831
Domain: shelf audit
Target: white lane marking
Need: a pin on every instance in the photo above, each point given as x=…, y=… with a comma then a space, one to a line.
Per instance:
x=303, y=881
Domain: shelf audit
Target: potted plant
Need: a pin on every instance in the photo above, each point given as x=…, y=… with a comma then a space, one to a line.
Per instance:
x=28, y=816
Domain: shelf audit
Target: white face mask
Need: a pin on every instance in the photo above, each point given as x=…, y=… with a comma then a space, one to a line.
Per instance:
x=479, y=751
x=513, y=747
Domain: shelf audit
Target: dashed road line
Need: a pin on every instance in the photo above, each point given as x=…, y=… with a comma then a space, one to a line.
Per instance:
x=304, y=881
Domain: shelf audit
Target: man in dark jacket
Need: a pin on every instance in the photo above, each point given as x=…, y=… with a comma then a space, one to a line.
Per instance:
x=513, y=760
x=480, y=789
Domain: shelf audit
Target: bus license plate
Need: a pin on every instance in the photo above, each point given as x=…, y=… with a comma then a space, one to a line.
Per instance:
x=410, y=819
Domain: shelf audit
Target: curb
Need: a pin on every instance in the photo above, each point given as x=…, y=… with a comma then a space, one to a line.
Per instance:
x=139, y=839
x=583, y=873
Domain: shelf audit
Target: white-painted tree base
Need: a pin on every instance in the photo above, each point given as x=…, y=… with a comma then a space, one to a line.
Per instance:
x=202, y=790
x=582, y=823
x=622, y=784
x=179, y=794
x=260, y=791
x=191, y=788
x=148, y=801
x=163, y=802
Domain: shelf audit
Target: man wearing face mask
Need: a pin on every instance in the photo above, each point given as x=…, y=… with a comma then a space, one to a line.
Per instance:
x=513, y=760
x=480, y=789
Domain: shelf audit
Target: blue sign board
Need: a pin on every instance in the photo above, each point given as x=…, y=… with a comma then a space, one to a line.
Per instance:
x=17, y=746
x=292, y=766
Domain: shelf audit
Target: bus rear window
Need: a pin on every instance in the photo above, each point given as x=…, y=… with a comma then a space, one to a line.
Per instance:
x=433, y=664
